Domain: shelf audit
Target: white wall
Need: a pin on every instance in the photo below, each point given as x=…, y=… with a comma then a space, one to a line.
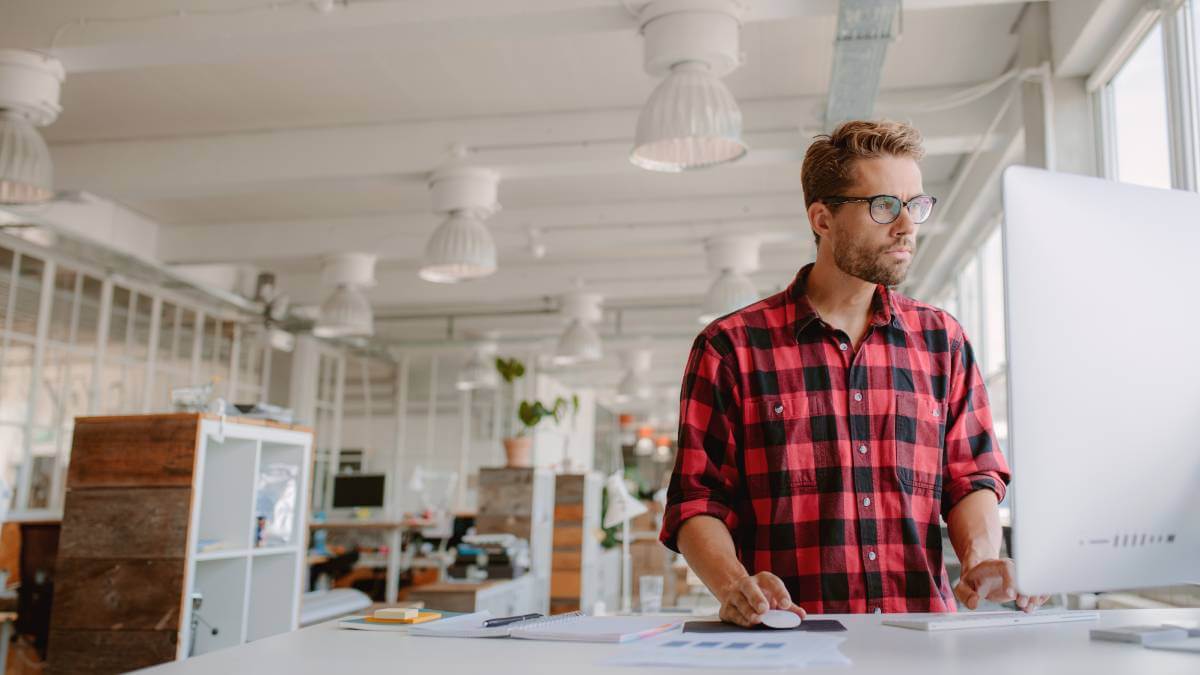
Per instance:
x=575, y=438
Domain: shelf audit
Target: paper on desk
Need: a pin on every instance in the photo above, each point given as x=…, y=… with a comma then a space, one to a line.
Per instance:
x=790, y=650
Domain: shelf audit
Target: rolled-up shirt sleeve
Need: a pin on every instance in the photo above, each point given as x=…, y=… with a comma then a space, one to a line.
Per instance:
x=973, y=459
x=704, y=479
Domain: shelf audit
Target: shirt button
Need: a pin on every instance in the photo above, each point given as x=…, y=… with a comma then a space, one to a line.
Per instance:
x=862, y=449
x=778, y=408
x=936, y=412
x=866, y=501
x=871, y=555
x=857, y=396
x=843, y=346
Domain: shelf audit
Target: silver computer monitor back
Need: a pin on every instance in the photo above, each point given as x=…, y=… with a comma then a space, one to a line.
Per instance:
x=1103, y=346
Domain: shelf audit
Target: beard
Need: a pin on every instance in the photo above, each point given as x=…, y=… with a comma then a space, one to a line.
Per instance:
x=871, y=264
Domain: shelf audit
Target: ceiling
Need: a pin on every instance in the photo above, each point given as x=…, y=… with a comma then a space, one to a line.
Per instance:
x=272, y=138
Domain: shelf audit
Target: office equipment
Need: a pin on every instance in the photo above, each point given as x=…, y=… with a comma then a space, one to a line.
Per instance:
x=964, y=621
x=1190, y=645
x=143, y=491
x=1142, y=635
x=473, y=625
x=358, y=490
x=1102, y=439
x=808, y=626
x=506, y=620
x=499, y=556
x=396, y=613
x=874, y=648
x=370, y=623
x=778, y=618
x=395, y=530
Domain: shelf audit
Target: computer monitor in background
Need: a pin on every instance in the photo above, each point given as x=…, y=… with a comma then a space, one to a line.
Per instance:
x=1103, y=338
x=358, y=490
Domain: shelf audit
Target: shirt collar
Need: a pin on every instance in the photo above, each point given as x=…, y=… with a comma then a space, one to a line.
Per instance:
x=804, y=314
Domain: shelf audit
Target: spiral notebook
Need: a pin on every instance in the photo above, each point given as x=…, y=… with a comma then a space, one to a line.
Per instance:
x=573, y=627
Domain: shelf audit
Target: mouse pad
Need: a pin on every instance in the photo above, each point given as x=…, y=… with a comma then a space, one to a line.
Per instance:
x=809, y=625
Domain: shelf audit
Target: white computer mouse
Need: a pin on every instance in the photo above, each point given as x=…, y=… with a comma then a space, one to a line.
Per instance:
x=780, y=618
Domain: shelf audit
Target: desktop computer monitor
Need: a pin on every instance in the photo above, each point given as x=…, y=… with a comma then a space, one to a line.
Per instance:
x=1103, y=346
x=358, y=490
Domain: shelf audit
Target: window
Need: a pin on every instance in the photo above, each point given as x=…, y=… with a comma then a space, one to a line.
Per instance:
x=975, y=297
x=1140, y=143
x=74, y=342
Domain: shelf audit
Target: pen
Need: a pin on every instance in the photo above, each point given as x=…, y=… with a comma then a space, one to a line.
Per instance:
x=504, y=621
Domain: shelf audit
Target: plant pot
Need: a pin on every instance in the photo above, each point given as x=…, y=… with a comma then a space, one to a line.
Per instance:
x=518, y=451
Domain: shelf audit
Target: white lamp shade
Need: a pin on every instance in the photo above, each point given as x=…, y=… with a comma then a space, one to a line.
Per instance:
x=644, y=447
x=26, y=174
x=729, y=292
x=622, y=506
x=461, y=248
x=478, y=373
x=346, y=313
x=634, y=385
x=691, y=121
x=579, y=343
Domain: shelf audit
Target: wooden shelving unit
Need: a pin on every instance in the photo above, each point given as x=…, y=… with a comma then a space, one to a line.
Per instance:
x=143, y=492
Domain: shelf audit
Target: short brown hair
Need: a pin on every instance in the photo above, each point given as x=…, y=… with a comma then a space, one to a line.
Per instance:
x=829, y=162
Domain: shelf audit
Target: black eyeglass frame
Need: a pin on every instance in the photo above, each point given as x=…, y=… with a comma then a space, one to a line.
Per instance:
x=838, y=200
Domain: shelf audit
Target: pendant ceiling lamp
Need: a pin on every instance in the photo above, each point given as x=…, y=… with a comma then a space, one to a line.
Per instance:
x=479, y=372
x=635, y=383
x=30, y=84
x=732, y=258
x=347, y=312
x=461, y=248
x=691, y=120
x=580, y=342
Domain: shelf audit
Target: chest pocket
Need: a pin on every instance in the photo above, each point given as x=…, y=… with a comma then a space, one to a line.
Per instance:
x=789, y=440
x=920, y=436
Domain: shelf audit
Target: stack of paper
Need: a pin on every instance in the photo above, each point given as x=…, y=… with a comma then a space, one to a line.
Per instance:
x=735, y=651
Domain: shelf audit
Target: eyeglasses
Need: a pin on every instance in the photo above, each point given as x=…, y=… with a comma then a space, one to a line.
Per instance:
x=885, y=209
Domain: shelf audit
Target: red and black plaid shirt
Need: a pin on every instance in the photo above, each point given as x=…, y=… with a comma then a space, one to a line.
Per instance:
x=830, y=467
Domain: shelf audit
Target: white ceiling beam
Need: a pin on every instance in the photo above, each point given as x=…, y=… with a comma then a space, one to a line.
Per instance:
x=206, y=39
x=1084, y=32
x=523, y=146
x=624, y=276
x=567, y=231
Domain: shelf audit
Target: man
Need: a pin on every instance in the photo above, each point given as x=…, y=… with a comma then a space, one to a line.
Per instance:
x=824, y=430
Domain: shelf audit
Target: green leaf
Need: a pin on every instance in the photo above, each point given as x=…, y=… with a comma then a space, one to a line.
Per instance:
x=510, y=369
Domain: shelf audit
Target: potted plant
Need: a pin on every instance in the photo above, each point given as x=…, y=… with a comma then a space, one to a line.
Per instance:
x=518, y=445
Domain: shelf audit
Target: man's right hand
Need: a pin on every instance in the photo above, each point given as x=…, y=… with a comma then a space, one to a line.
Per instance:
x=746, y=600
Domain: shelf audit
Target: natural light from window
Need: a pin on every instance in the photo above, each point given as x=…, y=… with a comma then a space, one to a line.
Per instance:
x=1139, y=98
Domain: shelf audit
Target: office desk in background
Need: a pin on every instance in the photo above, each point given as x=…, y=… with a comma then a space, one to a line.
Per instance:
x=1050, y=649
x=394, y=530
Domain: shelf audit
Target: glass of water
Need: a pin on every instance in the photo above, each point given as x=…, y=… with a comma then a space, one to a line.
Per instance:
x=650, y=593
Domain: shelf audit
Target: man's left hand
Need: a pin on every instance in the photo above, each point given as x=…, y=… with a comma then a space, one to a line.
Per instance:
x=993, y=580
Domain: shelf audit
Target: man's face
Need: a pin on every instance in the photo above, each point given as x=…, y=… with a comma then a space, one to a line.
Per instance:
x=861, y=247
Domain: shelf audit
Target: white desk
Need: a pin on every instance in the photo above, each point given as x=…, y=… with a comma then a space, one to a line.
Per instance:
x=1052, y=649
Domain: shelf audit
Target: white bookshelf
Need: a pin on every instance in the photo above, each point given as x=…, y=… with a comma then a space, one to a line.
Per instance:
x=250, y=592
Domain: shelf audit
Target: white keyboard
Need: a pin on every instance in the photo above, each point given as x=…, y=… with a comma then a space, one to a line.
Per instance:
x=965, y=620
